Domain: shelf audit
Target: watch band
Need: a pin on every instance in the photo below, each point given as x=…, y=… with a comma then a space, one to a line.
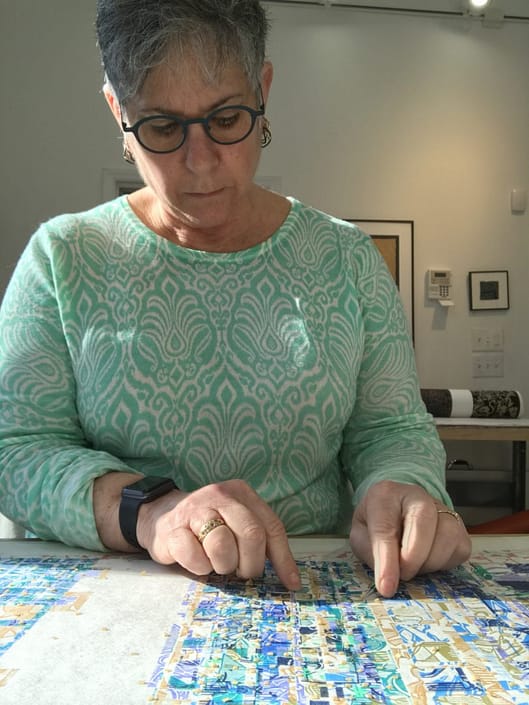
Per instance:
x=132, y=497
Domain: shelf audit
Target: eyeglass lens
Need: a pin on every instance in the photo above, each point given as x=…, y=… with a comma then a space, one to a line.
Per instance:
x=226, y=126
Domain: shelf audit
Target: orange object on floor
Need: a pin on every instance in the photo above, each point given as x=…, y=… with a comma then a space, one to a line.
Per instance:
x=517, y=523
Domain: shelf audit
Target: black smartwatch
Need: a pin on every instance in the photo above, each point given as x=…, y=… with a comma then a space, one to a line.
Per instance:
x=133, y=496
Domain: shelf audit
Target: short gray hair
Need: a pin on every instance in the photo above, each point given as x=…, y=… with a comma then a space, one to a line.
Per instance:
x=134, y=36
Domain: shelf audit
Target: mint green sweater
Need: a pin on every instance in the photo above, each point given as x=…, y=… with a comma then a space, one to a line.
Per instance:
x=287, y=364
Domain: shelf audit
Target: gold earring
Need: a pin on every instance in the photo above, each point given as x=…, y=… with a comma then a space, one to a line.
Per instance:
x=127, y=155
x=266, y=135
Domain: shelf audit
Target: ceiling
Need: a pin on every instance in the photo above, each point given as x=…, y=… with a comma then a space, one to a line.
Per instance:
x=512, y=9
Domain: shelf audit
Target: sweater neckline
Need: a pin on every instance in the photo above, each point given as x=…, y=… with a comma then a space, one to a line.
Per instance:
x=193, y=254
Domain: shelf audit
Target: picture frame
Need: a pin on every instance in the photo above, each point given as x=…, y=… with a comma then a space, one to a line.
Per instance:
x=488, y=290
x=395, y=241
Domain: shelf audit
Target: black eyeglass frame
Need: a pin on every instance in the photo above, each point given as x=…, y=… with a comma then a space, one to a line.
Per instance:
x=184, y=124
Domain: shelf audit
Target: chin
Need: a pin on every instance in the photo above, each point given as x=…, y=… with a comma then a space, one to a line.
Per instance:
x=203, y=218
x=206, y=211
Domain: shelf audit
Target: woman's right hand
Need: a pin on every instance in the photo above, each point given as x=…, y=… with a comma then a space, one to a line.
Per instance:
x=250, y=532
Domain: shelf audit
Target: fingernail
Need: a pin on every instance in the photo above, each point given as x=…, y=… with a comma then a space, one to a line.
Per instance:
x=388, y=587
x=294, y=582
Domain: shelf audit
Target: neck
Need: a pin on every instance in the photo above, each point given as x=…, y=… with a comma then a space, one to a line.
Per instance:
x=256, y=220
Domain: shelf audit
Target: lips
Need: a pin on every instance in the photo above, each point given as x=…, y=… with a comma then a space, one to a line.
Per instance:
x=204, y=194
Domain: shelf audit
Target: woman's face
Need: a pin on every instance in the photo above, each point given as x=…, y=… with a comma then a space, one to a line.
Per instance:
x=203, y=184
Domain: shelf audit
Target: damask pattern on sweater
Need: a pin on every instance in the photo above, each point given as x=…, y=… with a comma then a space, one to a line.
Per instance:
x=287, y=364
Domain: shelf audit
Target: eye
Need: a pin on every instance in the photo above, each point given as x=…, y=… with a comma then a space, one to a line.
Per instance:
x=164, y=128
x=160, y=133
x=225, y=119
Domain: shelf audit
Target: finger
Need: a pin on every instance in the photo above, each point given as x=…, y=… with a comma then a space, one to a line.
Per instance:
x=182, y=547
x=379, y=543
x=280, y=555
x=220, y=546
x=250, y=535
x=386, y=563
x=258, y=539
x=239, y=544
x=216, y=541
x=270, y=537
x=452, y=545
x=418, y=536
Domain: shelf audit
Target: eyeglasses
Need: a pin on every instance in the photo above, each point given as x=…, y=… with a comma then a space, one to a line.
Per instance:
x=166, y=133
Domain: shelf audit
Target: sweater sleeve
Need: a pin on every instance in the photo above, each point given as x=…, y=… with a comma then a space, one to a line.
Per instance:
x=390, y=435
x=47, y=468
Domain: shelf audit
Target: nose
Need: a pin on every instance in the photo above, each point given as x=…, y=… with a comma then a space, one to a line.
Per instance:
x=200, y=152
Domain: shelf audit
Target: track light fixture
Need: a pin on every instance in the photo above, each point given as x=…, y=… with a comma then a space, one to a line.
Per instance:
x=476, y=7
x=491, y=17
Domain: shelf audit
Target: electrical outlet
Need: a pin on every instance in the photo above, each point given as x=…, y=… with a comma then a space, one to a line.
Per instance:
x=487, y=365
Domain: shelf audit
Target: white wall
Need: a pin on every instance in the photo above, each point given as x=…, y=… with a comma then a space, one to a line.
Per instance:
x=374, y=115
x=393, y=116
x=56, y=133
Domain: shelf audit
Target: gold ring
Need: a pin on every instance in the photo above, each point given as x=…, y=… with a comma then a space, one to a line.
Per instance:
x=208, y=527
x=449, y=511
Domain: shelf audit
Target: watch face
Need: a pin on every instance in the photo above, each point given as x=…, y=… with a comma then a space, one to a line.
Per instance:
x=148, y=488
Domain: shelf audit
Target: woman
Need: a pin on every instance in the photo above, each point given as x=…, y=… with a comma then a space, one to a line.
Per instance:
x=244, y=353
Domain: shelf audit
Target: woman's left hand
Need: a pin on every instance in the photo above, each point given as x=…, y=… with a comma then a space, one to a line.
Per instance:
x=400, y=531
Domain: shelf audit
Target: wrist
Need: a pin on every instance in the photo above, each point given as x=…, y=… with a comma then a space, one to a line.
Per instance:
x=151, y=517
x=134, y=498
x=106, y=494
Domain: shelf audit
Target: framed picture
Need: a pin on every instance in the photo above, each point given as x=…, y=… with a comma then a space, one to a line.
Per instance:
x=394, y=239
x=488, y=290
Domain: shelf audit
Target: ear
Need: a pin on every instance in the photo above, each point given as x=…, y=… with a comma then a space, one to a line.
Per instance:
x=113, y=102
x=267, y=74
